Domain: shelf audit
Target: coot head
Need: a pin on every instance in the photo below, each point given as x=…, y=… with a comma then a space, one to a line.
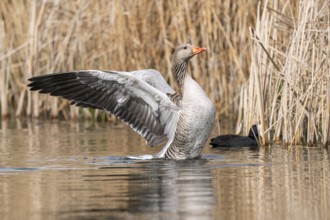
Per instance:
x=254, y=131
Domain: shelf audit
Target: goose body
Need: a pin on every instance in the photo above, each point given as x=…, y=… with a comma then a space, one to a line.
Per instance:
x=182, y=120
x=195, y=122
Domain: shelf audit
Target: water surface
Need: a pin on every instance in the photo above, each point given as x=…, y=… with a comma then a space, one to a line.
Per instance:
x=62, y=170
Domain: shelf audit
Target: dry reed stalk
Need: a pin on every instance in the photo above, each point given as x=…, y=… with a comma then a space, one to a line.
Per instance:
x=291, y=64
x=3, y=81
x=41, y=37
x=326, y=128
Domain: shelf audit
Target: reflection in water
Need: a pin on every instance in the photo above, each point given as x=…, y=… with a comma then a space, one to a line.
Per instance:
x=155, y=189
x=62, y=170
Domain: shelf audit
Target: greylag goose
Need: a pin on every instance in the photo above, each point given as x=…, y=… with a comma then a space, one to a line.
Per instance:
x=231, y=140
x=181, y=120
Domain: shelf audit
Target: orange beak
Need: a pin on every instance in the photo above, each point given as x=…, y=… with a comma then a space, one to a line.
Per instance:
x=197, y=50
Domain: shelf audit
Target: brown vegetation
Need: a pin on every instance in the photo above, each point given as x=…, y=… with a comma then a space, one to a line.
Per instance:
x=288, y=89
x=286, y=54
x=40, y=37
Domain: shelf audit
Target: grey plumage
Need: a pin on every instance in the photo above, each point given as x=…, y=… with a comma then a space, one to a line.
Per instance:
x=144, y=101
x=112, y=91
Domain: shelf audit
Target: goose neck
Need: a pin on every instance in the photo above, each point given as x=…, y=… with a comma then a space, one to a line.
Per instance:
x=180, y=72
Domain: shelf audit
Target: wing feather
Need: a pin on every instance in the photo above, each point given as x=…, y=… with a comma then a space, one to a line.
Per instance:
x=138, y=98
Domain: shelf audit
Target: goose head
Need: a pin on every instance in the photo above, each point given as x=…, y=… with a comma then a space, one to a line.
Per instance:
x=185, y=52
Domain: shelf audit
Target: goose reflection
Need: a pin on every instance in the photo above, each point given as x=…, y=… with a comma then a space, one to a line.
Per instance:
x=180, y=188
x=160, y=189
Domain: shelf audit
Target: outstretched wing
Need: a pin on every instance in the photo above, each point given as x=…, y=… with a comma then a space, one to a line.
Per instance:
x=155, y=79
x=134, y=97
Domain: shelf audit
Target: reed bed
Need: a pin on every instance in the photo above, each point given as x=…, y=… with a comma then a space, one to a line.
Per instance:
x=288, y=91
x=275, y=73
x=40, y=37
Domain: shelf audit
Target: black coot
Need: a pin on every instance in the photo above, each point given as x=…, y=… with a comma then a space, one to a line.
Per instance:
x=231, y=140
